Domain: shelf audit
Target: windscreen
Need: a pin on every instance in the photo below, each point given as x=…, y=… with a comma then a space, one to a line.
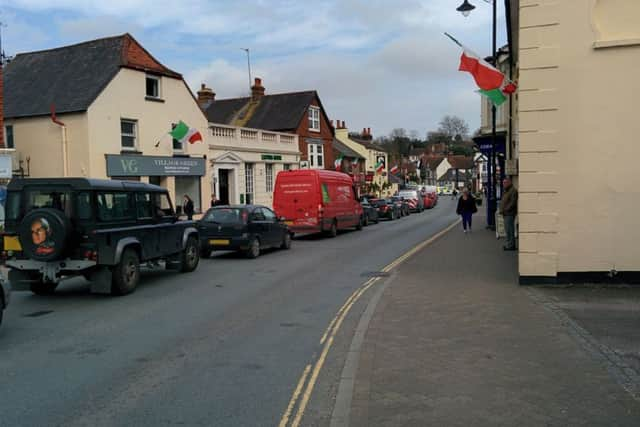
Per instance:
x=226, y=216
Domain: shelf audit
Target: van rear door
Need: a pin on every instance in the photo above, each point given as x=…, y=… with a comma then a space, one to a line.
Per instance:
x=296, y=197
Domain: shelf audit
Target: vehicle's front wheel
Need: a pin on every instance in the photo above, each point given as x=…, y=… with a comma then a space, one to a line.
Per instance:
x=126, y=274
x=254, y=249
x=43, y=288
x=286, y=241
x=190, y=256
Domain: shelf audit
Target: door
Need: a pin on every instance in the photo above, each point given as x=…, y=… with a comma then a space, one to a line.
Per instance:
x=259, y=227
x=223, y=182
x=274, y=228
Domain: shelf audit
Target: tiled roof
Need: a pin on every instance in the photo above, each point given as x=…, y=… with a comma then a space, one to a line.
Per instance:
x=71, y=77
x=279, y=112
x=367, y=143
x=345, y=150
x=461, y=162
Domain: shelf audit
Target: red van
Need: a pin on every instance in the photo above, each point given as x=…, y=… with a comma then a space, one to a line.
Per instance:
x=316, y=201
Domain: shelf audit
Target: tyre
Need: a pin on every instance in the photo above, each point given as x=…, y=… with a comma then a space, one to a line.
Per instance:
x=393, y=216
x=254, y=249
x=377, y=220
x=333, y=231
x=43, y=288
x=366, y=220
x=44, y=233
x=359, y=225
x=126, y=274
x=286, y=241
x=190, y=256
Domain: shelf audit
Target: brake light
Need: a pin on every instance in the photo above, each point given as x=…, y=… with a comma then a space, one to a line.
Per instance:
x=91, y=255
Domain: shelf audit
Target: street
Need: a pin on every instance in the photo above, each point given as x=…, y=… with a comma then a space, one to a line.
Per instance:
x=223, y=346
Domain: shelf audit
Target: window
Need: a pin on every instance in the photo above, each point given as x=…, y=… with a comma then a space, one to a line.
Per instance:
x=163, y=206
x=286, y=167
x=128, y=134
x=83, y=205
x=268, y=168
x=8, y=134
x=153, y=86
x=268, y=214
x=248, y=177
x=143, y=205
x=314, y=118
x=12, y=209
x=189, y=185
x=316, y=156
x=115, y=206
x=257, y=215
x=60, y=200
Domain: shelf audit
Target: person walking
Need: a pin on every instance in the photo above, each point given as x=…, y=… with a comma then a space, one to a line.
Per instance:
x=466, y=208
x=509, y=210
x=187, y=207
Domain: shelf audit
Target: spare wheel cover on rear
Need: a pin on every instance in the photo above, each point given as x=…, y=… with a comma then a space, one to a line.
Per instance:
x=43, y=234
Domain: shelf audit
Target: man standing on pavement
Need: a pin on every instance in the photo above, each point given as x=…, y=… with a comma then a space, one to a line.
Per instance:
x=509, y=210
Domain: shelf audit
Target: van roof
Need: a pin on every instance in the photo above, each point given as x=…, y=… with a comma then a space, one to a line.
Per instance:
x=317, y=172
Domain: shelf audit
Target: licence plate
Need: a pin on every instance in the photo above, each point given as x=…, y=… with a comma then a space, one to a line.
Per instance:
x=289, y=222
x=219, y=242
x=11, y=243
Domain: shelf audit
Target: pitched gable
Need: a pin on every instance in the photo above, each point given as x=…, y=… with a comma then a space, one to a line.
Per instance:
x=137, y=57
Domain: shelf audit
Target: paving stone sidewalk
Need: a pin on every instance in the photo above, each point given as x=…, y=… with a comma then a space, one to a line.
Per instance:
x=454, y=341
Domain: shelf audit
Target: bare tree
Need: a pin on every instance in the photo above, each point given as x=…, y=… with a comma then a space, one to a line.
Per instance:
x=453, y=126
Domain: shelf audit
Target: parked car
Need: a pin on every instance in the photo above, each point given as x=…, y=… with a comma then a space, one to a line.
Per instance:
x=100, y=229
x=405, y=207
x=387, y=208
x=245, y=228
x=5, y=295
x=416, y=203
x=313, y=201
x=370, y=212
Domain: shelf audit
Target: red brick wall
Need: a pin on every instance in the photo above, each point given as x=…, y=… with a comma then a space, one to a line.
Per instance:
x=325, y=134
x=1, y=108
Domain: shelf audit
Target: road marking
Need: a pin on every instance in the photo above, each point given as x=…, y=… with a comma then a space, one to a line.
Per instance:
x=296, y=393
x=334, y=327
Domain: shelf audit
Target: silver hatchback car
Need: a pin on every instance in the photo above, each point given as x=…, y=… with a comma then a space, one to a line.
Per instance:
x=5, y=292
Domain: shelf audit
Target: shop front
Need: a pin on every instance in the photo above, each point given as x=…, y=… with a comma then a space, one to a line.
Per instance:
x=180, y=175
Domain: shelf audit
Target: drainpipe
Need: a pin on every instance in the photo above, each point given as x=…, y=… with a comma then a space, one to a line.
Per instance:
x=63, y=127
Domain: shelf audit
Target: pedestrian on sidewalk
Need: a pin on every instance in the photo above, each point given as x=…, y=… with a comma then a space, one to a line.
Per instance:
x=187, y=207
x=509, y=210
x=466, y=208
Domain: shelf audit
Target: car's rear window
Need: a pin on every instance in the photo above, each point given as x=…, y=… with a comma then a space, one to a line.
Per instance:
x=378, y=202
x=226, y=216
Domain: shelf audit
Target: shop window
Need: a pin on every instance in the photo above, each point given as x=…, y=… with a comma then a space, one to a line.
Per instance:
x=189, y=185
x=268, y=168
x=128, y=134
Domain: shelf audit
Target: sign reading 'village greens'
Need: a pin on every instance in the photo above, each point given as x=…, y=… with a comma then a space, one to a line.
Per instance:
x=154, y=166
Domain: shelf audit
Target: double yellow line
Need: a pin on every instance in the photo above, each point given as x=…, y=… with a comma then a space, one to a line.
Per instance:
x=330, y=333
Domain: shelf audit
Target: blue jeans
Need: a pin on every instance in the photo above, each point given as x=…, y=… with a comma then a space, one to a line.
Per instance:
x=510, y=231
x=466, y=220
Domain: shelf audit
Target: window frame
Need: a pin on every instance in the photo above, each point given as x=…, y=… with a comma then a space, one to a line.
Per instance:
x=268, y=177
x=8, y=137
x=314, y=118
x=134, y=135
x=157, y=79
x=249, y=182
x=316, y=156
x=132, y=206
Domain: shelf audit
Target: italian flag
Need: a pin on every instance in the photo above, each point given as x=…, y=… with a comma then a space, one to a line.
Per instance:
x=184, y=133
x=379, y=167
x=394, y=170
x=338, y=162
x=354, y=162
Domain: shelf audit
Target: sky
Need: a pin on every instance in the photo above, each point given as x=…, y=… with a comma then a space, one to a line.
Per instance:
x=382, y=64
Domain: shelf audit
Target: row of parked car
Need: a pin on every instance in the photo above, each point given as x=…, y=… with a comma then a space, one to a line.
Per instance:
x=104, y=230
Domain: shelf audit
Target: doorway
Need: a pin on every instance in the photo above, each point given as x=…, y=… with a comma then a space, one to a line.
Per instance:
x=223, y=182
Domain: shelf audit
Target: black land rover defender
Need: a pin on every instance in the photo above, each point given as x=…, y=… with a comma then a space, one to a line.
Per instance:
x=101, y=229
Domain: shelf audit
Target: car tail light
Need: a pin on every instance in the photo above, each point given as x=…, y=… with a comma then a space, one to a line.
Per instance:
x=91, y=255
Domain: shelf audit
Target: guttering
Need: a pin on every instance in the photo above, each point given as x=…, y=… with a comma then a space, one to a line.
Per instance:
x=63, y=127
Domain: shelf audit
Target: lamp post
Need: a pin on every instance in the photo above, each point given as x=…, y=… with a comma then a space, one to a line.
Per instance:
x=465, y=8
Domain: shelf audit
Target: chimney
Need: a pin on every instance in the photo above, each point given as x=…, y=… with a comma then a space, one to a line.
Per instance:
x=343, y=125
x=205, y=96
x=369, y=131
x=257, y=90
x=331, y=123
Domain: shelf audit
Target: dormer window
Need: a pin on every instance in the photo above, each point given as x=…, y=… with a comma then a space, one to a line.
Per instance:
x=314, y=119
x=153, y=86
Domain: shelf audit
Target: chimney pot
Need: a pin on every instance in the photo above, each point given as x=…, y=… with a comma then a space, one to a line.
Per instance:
x=205, y=96
x=368, y=131
x=257, y=90
x=331, y=123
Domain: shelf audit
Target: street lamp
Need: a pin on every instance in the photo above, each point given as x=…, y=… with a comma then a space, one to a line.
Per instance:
x=465, y=8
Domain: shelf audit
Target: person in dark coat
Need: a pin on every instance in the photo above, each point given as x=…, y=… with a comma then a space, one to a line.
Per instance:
x=188, y=207
x=466, y=208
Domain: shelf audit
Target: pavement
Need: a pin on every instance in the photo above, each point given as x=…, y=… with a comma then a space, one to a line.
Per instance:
x=452, y=340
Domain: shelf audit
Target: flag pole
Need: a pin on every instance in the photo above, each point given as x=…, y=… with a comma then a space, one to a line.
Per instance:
x=161, y=138
x=453, y=39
